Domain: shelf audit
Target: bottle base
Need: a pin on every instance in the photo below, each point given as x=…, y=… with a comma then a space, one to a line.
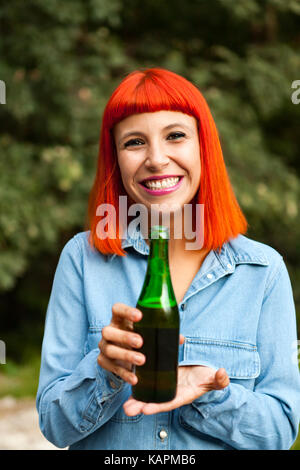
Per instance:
x=153, y=396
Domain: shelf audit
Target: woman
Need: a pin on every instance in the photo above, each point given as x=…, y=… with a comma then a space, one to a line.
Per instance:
x=238, y=387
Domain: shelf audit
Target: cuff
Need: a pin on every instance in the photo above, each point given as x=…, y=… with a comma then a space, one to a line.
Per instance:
x=207, y=402
x=109, y=384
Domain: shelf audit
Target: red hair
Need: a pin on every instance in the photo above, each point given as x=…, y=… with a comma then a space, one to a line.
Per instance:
x=151, y=90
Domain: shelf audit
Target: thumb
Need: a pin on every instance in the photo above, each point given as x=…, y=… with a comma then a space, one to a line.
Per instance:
x=221, y=379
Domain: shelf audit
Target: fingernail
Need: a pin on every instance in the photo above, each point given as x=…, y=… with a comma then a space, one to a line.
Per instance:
x=138, y=359
x=136, y=315
x=136, y=342
x=133, y=380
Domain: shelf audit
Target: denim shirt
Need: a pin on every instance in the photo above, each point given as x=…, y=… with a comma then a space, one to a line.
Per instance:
x=238, y=313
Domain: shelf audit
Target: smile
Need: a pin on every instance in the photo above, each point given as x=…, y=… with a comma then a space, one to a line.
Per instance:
x=161, y=186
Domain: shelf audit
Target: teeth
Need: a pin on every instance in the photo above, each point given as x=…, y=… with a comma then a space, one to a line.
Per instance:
x=159, y=184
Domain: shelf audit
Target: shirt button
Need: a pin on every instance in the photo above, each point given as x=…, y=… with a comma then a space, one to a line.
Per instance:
x=229, y=266
x=163, y=434
x=209, y=276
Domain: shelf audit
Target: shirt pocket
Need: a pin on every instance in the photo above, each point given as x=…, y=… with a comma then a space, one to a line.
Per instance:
x=240, y=360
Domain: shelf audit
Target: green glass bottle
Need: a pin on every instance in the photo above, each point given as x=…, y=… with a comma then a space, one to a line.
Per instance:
x=159, y=327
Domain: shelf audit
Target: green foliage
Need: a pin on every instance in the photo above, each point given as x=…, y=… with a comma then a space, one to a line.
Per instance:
x=296, y=445
x=19, y=381
x=60, y=62
x=58, y=68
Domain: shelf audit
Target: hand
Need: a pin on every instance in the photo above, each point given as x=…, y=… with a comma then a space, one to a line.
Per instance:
x=193, y=381
x=118, y=339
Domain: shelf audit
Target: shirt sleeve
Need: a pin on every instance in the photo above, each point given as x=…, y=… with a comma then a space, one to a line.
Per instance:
x=266, y=417
x=75, y=395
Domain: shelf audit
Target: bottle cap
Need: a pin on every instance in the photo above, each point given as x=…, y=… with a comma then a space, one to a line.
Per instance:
x=159, y=232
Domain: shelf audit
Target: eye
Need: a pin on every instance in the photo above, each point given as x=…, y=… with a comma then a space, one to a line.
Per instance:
x=176, y=135
x=133, y=142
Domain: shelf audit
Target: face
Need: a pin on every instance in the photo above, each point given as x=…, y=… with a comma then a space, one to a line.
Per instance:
x=159, y=157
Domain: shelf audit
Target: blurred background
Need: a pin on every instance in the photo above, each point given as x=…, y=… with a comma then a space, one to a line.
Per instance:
x=60, y=61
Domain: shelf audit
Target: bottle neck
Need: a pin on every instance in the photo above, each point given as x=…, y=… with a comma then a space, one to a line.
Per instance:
x=159, y=249
x=158, y=262
x=157, y=291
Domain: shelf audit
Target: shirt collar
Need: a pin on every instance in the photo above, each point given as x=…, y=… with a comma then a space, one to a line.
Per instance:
x=133, y=237
x=239, y=250
x=243, y=250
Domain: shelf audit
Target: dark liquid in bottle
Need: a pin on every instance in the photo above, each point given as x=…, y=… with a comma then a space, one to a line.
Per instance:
x=157, y=377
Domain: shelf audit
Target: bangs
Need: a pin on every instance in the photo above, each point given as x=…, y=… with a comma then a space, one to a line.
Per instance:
x=148, y=92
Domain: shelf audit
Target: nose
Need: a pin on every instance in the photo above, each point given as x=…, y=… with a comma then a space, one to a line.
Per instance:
x=156, y=157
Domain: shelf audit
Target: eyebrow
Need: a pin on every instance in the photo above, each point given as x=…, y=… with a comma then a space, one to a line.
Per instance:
x=170, y=126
